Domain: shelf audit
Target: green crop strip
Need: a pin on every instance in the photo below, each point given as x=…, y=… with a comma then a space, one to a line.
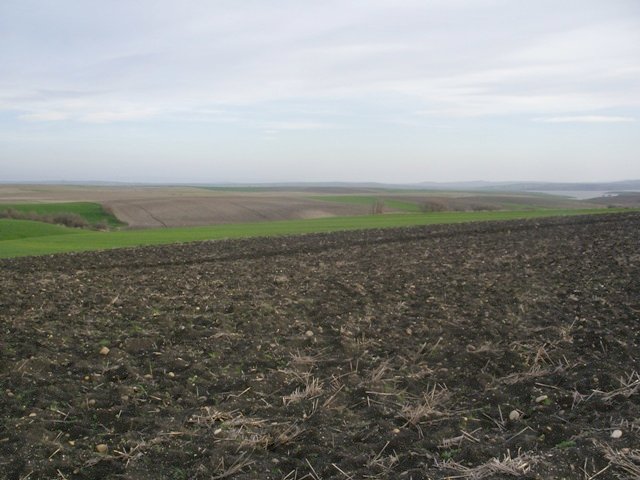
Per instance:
x=20, y=229
x=74, y=240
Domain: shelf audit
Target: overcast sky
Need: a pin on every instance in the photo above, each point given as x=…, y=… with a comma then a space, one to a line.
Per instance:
x=310, y=90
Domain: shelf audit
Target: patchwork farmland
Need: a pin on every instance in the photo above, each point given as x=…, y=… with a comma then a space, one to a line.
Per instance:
x=160, y=207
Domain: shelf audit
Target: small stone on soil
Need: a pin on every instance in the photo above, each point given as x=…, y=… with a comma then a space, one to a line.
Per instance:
x=514, y=415
x=171, y=375
x=541, y=398
x=616, y=434
x=309, y=333
x=101, y=448
x=104, y=351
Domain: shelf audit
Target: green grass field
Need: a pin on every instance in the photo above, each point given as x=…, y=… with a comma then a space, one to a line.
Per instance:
x=19, y=229
x=43, y=240
x=91, y=212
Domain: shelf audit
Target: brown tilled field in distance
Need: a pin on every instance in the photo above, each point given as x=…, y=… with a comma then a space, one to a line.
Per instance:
x=229, y=208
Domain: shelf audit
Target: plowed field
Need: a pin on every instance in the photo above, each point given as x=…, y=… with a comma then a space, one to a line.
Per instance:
x=489, y=350
x=221, y=209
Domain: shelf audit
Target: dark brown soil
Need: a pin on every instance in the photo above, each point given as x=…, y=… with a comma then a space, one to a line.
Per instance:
x=395, y=354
